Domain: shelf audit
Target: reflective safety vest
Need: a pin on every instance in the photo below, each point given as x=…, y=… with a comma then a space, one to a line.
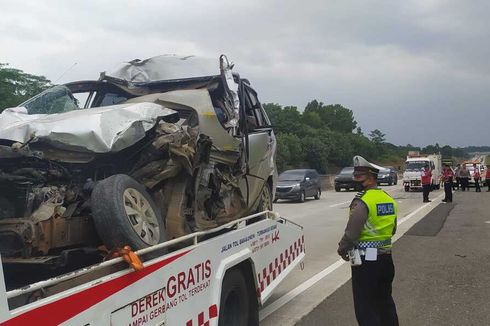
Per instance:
x=382, y=211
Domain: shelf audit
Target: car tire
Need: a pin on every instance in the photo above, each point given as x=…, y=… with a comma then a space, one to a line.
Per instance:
x=407, y=188
x=234, y=303
x=337, y=189
x=318, y=194
x=396, y=181
x=265, y=201
x=125, y=214
x=302, y=197
x=390, y=183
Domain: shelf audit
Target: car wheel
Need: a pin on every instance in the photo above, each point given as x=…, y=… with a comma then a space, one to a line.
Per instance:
x=396, y=181
x=125, y=214
x=390, y=183
x=302, y=197
x=337, y=189
x=407, y=188
x=318, y=194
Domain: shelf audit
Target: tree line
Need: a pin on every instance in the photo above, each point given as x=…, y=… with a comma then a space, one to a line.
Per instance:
x=326, y=137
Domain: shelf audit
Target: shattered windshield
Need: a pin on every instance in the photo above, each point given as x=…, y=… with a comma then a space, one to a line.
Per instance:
x=57, y=99
x=415, y=165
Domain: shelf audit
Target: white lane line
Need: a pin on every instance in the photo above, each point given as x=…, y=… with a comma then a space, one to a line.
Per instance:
x=340, y=204
x=264, y=313
x=418, y=210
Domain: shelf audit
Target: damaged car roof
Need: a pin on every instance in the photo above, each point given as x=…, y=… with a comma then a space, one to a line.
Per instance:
x=163, y=68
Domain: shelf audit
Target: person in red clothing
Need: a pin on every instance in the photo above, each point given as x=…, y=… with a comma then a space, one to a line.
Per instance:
x=426, y=180
x=447, y=178
x=487, y=177
x=476, y=177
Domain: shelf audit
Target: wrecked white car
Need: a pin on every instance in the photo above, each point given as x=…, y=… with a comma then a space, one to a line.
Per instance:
x=149, y=152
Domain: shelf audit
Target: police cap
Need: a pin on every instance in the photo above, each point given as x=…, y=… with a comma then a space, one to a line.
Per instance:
x=362, y=166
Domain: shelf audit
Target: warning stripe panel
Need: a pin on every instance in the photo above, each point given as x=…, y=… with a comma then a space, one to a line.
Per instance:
x=279, y=264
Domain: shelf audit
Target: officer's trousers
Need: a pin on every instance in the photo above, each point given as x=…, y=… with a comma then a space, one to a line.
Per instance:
x=477, y=185
x=448, y=192
x=371, y=287
x=425, y=192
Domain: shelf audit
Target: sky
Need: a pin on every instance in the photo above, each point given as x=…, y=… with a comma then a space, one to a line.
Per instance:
x=418, y=70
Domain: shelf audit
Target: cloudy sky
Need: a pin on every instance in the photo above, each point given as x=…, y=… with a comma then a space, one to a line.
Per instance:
x=418, y=70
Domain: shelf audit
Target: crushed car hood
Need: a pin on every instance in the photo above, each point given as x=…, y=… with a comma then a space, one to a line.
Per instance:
x=98, y=130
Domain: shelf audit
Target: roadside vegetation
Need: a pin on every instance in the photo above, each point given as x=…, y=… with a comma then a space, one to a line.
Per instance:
x=326, y=137
x=321, y=136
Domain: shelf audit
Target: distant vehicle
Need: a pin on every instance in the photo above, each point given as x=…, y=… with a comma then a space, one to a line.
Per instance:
x=298, y=184
x=344, y=180
x=388, y=175
x=413, y=170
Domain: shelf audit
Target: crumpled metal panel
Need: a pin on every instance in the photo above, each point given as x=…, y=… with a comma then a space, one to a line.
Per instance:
x=99, y=130
x=232, y=87
x=164, y=67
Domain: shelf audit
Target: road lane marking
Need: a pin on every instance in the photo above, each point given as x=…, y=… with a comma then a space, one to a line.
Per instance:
x=264, y=313
x=339, y=204
x=268, y=310
x=419, y=209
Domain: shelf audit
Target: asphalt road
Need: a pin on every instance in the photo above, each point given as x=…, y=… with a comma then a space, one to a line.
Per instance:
x=324, y=221
x=442, y=270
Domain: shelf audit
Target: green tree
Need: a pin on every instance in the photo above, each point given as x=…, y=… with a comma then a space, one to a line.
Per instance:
x=336, y=117
x=16, y=86
x=312, y=119
x=283, y=119
x=316, y=153
x=377, y=136
x=290, y=153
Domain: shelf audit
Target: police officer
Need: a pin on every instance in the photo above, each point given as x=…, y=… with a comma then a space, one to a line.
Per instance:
x=447, y=178
x=371, y=225
x=426, y=180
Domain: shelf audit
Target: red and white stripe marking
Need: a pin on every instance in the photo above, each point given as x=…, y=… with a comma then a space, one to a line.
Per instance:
x=272, y=271
x=212, y=313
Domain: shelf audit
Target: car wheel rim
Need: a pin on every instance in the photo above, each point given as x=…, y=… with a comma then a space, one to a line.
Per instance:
x=141, y=216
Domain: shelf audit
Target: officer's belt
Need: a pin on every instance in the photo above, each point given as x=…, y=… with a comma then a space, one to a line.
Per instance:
x=381, y=251
x=373, y=244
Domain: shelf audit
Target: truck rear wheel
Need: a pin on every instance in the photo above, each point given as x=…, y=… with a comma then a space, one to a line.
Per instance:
x=234, y=302
x=125, y=214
